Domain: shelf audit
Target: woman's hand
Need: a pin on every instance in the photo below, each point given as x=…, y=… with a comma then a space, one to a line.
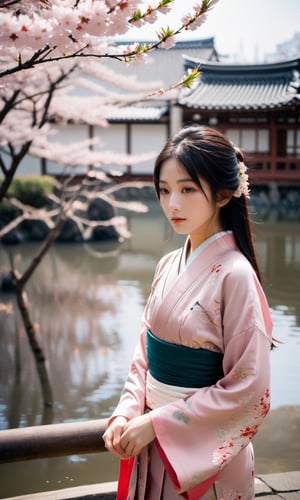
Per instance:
x=112, y=437
x=137, y=433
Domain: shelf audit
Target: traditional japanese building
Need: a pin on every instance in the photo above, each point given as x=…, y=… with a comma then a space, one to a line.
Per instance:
x=258, y=107
x=141, y=127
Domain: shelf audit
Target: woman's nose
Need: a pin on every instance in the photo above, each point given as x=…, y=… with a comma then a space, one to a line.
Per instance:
x=174, y=201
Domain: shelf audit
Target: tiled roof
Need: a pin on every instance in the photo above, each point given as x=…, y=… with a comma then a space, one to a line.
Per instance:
x=224, y=87
x=199, y=44
x=165, y=67
x=137, y=114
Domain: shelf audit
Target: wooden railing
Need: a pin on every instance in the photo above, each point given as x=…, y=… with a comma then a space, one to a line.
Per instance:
x=46, y=441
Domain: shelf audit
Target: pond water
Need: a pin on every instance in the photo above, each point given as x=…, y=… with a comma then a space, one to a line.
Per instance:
x=88, y=301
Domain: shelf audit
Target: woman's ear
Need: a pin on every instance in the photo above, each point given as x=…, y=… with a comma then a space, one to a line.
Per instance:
x=223, y=197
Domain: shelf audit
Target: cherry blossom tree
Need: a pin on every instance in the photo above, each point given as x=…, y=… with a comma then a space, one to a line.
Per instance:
x=36, y=37
x=28, y=110
x=48, y=48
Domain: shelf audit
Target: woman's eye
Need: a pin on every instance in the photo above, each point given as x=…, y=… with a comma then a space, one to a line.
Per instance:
x=188, y=190
x=163, y=191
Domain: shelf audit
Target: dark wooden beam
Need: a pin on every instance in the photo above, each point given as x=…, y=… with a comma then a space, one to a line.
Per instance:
x=45, y=441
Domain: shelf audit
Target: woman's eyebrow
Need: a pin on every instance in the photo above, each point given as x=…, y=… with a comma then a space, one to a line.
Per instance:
x=186, y=179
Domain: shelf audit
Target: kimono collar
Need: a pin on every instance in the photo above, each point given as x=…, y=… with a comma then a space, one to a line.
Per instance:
x=188, y=258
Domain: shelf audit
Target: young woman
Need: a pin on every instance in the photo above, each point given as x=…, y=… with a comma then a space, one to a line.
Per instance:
x=198, y=386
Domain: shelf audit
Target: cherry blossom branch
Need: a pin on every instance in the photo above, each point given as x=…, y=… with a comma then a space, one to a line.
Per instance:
x=166, y=39
x=186, y=81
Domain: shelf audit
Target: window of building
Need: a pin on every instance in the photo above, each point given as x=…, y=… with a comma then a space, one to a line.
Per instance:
x=293, y=142
x=248, y=137
x=263, y=141
x=251, y=140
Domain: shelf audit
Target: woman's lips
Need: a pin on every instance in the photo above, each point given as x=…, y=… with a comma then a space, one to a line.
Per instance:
x=177, y=220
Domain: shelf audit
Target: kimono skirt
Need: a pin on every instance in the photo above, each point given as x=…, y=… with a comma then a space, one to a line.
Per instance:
x=175, y=372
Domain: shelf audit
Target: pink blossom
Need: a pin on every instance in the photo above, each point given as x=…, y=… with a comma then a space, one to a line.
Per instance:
x=92, y=17
x=168, y=43
x=164, y=9
x=133, y=5
x=133, y=51
x=35, y=34
x=19, y=35
x=198, y=22
x=9, y=28
x=186, y=19
x=198, y=9
x=151, y=16
x=139, y=58
x=64, y=20
x=116, y=23
x=138, y=23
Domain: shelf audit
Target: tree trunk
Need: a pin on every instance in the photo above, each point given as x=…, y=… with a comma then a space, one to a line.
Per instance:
x=32, y=333
x=36, y=348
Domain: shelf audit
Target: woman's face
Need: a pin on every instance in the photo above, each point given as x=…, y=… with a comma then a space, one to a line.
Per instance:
x=189, y=209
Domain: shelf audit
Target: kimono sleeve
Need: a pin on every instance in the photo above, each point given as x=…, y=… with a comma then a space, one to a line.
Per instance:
x=198, y=436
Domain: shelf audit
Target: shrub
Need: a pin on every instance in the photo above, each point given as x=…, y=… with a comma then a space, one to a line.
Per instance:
x=32, y=190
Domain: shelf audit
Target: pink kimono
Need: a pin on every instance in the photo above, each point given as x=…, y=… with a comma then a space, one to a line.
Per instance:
x=203, y=436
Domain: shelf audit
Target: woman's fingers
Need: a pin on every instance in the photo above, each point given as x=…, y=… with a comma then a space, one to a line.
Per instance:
x=128, y=448
x=126, y=439
x=112, y=437
x=113, y=446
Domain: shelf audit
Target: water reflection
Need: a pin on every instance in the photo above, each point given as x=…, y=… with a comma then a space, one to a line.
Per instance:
x=88, y=302
x=82, y=311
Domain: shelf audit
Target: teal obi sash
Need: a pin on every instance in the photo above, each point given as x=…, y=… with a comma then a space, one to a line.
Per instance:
x=182, y=366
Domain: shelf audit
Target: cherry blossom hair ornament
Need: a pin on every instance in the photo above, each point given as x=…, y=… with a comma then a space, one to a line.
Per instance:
x=243, y=187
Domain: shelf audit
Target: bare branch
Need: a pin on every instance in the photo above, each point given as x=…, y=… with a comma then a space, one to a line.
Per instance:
x=42, y=251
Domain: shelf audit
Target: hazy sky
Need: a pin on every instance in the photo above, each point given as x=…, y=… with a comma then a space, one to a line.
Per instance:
x=248, y=27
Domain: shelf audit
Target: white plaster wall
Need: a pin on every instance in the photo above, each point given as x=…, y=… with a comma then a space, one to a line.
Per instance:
x=175, y=119
x=144, y=138
x=67, y=134
x=29, y=166
x=112, y=138
x=147, y=139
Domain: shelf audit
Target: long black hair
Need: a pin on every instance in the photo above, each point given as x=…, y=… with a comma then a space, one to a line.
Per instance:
x=206, y=153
